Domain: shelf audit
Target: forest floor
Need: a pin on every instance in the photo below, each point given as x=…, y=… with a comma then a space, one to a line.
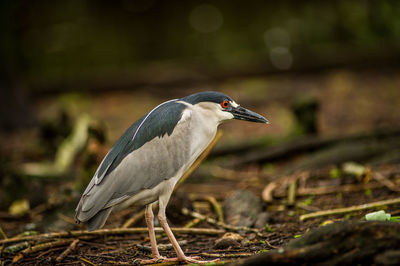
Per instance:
x=270, y=182
x=282, y=223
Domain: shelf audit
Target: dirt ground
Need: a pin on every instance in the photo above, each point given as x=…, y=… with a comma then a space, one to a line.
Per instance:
x=282, y=226
x=214, y=181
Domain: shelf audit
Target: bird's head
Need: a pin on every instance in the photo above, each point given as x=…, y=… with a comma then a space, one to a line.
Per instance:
x=223, y=107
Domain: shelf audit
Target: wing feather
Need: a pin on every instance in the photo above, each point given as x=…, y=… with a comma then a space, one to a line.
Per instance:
x=126, y=170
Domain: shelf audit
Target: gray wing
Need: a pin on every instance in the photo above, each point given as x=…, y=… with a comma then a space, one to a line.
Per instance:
x=127, y=170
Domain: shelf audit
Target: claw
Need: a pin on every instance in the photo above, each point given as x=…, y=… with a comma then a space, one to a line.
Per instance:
x=153, y=260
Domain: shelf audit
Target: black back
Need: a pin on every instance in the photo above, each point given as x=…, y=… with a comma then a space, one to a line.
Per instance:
x=161, y=121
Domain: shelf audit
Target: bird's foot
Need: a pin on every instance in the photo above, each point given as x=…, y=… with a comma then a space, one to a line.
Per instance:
x=153, y=260
x=183, y=259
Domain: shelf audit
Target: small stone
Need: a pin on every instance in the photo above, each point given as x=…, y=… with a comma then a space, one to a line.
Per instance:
x=242, y=208
x=228, y=240
x=262, y=219
x=226, y=243
x=233, y=236
x=252, y=236
x=245, y=242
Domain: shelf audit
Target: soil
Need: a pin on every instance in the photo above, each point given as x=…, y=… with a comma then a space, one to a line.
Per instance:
x=283, y=224
x=343, y=93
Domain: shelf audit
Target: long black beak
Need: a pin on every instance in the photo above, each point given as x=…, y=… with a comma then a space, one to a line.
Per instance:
x=241, y=113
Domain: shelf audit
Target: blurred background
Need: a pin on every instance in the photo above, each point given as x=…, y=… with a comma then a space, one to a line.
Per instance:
x=77, y=73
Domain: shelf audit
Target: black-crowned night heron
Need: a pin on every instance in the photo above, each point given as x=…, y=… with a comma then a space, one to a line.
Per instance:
x=147, y=161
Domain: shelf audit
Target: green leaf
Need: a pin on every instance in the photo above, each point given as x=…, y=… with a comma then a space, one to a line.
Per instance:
x=395, y=219
x=378, y=216
x=334, y=173
x=307, y=201
x=262, y=251
x=268, y=228
x=16, y=247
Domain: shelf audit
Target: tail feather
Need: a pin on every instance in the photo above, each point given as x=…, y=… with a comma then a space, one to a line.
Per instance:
x=98, y=220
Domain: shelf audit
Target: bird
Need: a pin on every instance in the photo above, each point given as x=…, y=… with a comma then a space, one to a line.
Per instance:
x=147, y=161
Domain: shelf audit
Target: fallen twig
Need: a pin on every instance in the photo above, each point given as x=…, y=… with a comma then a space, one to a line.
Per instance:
x=3, y=235
x=161, y=247
x=231, y=255
x=134, y=219
x=114, y=231
x=385, y=181
x=66, y=252
x=88, y=262
x=312, y=143
x=66, y=152
x=268, y=191
x=336, y=189
x=349, y=209
x=307, y=191
x=68, y=219
x=217, y=208
x=193, y=223
x=224, y=225
x=292, y=192
x=39, y=247
x=113, y=262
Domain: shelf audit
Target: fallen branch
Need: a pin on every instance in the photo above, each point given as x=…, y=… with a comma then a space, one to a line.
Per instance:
x=350, y=209
x=215, y=222
x=66, y=152
x=232, y=255
x=292, y=192
x=217, y=208
x=193, y=223
x=113, y=262
x=134, y=219
x=88, y=261
x=161, y=247
x=3, y=235
x=385, y=181
x=268, y=191
x=311, y=143
x=224, y=225
x=114, y=231
x=39, y=247
x=304, y=191
x=66, y=252
x=68, y=219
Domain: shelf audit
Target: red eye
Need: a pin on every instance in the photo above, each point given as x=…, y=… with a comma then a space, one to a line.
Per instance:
x=225, y=104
